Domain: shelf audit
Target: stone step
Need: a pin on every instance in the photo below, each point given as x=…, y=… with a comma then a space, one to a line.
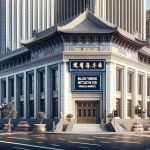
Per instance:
x=87, y=128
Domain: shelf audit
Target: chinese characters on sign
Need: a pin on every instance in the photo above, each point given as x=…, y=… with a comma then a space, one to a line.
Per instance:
x=86, y=65
x=87, y=75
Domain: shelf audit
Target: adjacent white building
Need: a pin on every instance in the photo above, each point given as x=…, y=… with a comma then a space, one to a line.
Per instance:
x=129, y=15
x=19, y=18
x=148, y=24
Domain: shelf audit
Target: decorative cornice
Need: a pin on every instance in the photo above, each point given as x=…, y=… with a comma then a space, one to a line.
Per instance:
x=30, y=65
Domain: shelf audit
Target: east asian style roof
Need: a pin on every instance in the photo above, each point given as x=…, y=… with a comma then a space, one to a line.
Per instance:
x=87, y=23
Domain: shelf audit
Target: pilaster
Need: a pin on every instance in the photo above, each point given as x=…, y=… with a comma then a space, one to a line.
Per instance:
x=7, y=90
x=25, y=94
x=65, y=100
x=124, y=102
x=135, y=92
x=144, y=102
x=15, y=93
x=110, y=87
x=35, y=93
x=47, y=92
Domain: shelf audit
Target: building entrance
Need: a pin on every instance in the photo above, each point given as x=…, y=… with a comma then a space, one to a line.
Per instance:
x=88, y=112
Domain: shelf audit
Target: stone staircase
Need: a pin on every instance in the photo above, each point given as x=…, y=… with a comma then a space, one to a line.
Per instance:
x=87, y=128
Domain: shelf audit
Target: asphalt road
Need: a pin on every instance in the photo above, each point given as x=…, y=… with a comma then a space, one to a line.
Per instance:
x=32, y=141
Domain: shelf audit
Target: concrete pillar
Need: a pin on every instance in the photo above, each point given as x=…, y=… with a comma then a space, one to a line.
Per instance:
x=15, y=93
x=64, y=99
x=25, y=95
x=135, y=92
x=35, y=93
x=47, y=93
x=7, y=90
x=110, y=87
x=124, y=100
x=144, y=102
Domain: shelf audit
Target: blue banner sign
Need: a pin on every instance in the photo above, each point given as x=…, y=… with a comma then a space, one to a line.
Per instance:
x=90, y=82
x=87, y=65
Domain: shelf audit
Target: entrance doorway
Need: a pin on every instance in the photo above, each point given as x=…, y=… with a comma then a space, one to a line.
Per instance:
x=88, y=112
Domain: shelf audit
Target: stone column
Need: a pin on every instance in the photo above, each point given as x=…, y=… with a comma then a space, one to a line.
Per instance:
x=35, y=93
x=110, y=87
x=7, y=90
x=25, y=95
x=15, y=93
x=64, y=99
x=144, y=102
x=47, y=93
x=124, y=102
x=135, y=93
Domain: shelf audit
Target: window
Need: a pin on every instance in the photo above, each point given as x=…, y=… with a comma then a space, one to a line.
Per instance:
x=148, y=109
x=130, y=83
x=3, y=88
x=21, y=85
x=11, y=87
x=148, y=87
x=21, y=108
x=129, y=105
x=31, y=84
x=42, y=105
x=118, y=79
x=55, y=107
x=31, y=108
x=55, y=80
x=118, y=106
x=42, y=82
x=140, y=84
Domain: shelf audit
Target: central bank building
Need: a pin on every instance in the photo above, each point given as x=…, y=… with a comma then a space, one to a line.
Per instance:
x=85, y=66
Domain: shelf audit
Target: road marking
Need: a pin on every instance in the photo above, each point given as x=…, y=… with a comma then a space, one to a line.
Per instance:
x=127, y=142
x=104, y=142
x=84, y=147
x=126, y=136
x=39, y=142
x=105, y=138
x=84, y=143
x=35, y=135
x=20, y=148
x=42, y=138
x=19, y=138
x=29, y=145
x=55, y=145
x=13, y=133
x=86, y=139
x=118, y=148
x=61, y=139
x=129, y=138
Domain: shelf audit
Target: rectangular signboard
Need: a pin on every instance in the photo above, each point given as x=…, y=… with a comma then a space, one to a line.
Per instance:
x=87, y=65
x=87, y=82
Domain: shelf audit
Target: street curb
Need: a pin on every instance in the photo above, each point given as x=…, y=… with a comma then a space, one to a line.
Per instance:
x=102, y=133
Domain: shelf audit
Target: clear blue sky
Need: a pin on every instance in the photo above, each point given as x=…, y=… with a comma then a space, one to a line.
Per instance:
x=148, y=4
